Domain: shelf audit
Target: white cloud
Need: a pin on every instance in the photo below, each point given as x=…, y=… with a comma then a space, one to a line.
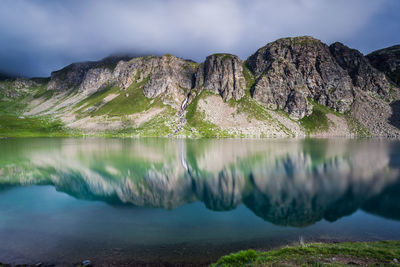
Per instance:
x=57, y=32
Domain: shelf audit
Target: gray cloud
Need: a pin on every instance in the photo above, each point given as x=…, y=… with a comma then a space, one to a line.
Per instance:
x=39, y=36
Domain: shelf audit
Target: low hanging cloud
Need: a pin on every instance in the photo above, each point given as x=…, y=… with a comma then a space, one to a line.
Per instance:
x=38, y=36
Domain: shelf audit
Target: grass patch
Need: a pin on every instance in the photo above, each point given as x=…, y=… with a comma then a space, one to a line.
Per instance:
x=251, y=107
x=42, y=92
x=197, y=120
x=317, y=121
x=248, y=76
x=159, y=126
x=95, y=99
x=130, y=101
x=318, y=254
x=12, y=126
x=15, y=107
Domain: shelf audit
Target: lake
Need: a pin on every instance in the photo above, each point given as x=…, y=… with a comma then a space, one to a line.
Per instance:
x=162, y=201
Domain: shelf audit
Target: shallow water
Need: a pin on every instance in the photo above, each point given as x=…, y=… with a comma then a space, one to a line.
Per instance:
x=124, y=201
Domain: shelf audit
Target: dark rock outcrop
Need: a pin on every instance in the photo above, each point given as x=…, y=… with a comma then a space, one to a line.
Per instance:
x=222, y=74
x=290, y=70
x=388, y=61
x=362, y=73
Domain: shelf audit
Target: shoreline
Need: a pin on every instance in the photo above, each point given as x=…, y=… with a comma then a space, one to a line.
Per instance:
x=178, y=257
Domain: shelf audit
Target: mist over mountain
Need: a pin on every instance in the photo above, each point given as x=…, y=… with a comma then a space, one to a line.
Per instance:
x=41, y=36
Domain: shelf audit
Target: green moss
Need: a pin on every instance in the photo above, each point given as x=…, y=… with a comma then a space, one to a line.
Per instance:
x=318, y=254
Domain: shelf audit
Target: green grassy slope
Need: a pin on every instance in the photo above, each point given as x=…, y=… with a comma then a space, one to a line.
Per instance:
x=383, y=253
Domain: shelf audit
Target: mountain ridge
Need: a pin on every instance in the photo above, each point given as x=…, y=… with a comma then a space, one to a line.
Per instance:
x=295, y=86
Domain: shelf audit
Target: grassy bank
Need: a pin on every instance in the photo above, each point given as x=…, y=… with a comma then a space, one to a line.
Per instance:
x=383, y=253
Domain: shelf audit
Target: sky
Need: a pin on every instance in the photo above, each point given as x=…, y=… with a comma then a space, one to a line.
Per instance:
x=40, y=36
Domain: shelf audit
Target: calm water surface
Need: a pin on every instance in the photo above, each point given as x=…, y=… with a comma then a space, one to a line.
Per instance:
x=158, y=201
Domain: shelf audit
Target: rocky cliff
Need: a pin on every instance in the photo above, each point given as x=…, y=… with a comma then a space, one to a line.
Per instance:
x=290, y=87
x=388, y=61
x=222, y=74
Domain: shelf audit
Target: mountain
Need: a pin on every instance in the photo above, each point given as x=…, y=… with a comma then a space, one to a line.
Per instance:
x=290, y=87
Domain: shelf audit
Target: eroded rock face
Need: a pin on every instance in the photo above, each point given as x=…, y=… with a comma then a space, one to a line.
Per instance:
x=363, y=75
x=96, y=79
x=222, y=74
x=290, y=70
x=84, y=75
x=167, y=76
x=388, y=61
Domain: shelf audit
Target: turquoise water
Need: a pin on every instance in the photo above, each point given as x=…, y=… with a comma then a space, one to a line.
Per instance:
x=124, y=201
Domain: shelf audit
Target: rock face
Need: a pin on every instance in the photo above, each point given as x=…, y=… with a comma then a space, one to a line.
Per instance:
x=363, y=75
x=290, y=70
x=222, y=74
x=84, y=75
x=168, y=76
x=388, y=61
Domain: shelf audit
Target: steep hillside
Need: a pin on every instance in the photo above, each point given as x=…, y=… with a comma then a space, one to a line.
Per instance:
x=387, y=60
x=290, y=87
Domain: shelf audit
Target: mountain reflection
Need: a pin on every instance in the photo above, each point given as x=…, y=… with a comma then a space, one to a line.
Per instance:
x=286, y=182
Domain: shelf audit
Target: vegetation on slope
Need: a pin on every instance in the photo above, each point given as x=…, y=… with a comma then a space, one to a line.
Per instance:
x=129, y=101
x=196, y=119
x=319, y=254
x=317, y=121
x=13, y=124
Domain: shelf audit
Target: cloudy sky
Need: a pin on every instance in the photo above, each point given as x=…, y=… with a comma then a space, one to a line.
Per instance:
x=39, y=36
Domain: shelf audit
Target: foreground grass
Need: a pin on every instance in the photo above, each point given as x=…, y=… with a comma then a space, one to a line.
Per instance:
x=383, y=253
